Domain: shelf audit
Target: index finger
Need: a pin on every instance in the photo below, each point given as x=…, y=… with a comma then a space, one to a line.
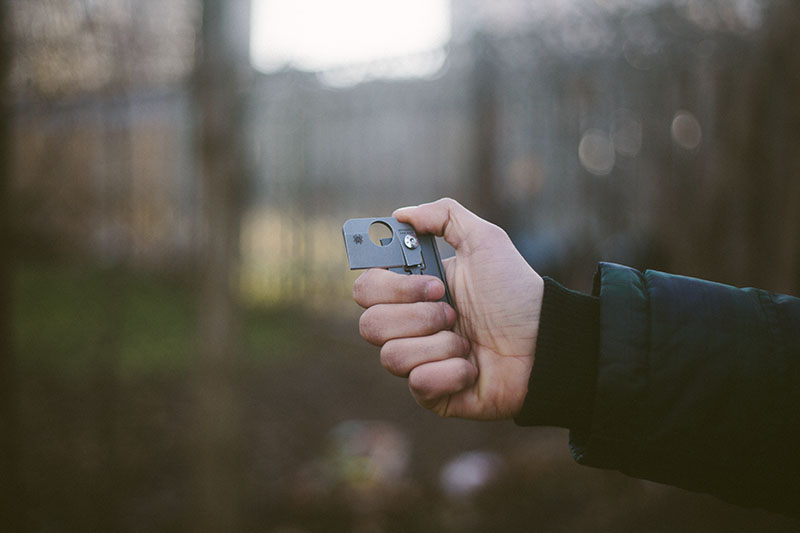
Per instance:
x=378, y=286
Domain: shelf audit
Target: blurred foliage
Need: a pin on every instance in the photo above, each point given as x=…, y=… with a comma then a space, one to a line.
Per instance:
x=71, y=47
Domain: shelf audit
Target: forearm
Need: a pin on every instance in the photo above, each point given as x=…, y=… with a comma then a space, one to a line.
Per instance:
x=676, y=380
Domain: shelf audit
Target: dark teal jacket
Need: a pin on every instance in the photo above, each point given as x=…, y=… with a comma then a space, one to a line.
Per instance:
x=698, y=385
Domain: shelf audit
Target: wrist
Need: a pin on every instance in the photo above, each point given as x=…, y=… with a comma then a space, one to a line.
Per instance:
x=518, y=373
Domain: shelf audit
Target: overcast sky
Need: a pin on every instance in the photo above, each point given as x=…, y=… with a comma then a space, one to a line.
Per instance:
x=322, y=34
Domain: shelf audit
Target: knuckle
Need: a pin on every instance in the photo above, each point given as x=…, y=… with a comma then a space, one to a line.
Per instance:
x=363, y=325
x=392, y=359
x=417, y=389
x=407, y=289
x=430, y=316
x=421, y=390
x=418, y=289
x=449, y=202
x=358, y=290
x=361, y=288
x=369, y=327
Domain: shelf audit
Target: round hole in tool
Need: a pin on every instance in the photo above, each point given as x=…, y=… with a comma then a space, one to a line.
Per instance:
x=380, y=233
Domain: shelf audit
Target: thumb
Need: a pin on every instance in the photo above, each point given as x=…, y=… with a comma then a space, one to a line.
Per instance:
x=445, y=218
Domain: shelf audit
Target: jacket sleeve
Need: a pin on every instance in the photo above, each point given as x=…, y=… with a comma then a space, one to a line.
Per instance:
x=698, y=386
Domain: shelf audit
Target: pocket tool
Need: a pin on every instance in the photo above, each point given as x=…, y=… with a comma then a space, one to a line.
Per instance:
x=404, y=252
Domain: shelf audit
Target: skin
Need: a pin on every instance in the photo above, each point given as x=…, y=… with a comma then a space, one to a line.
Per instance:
x=472, y=362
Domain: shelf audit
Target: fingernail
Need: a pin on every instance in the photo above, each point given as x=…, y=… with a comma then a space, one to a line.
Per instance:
x=431, y=290
x=399, y=212
x=450, y=315
x=467, y=346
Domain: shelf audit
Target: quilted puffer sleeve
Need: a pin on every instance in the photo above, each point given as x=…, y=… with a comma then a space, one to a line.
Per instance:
x=698, y=386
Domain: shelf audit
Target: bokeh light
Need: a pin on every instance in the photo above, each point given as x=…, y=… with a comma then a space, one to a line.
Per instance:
x=686, y=130
x=626, y=132
x=596, y=152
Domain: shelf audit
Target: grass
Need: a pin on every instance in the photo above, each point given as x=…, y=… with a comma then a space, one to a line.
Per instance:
x=71, y=321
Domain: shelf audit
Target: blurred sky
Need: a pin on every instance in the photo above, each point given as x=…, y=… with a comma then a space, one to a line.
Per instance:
x=316, y=35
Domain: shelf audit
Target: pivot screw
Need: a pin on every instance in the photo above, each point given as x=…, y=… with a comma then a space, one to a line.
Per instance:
x=411, y=242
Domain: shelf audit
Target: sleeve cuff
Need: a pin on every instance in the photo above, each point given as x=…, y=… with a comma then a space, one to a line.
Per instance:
x=562, y=383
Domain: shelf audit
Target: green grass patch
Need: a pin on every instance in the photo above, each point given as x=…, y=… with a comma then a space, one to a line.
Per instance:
x=76, y=322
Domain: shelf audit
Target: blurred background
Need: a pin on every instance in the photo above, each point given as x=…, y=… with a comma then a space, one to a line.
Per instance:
x=178, y=346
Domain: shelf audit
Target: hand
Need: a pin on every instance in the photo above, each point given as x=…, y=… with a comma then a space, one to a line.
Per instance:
x=473, y=362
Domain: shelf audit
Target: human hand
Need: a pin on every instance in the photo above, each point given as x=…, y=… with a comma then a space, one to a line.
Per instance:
x=474, y=363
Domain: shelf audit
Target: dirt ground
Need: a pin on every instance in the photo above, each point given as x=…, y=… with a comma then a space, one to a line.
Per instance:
x=329, y=442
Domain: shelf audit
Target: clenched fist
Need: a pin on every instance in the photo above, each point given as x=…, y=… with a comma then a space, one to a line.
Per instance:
x=473, y=361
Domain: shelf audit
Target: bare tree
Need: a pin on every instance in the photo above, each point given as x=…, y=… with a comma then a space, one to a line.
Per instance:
x=485, y=92
x=218, y=97
x=11, y=508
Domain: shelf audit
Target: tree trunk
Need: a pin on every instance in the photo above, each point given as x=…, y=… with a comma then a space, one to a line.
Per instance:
x=216, y=436
x=487, y=193
x=12, y=507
